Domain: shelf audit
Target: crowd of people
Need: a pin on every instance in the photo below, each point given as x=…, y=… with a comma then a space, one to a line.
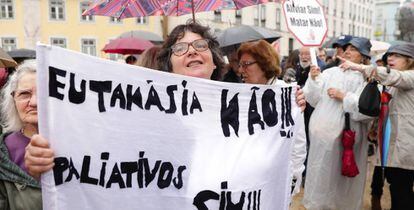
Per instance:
x=326, y=92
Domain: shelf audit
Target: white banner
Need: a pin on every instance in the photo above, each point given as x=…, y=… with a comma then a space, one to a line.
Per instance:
x=126, y=137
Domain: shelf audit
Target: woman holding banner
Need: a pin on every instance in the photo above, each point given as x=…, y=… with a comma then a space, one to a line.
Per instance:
x=399, y=75
x=189, y=50
x=259, y=64
x=18, y=190
x=333, y=93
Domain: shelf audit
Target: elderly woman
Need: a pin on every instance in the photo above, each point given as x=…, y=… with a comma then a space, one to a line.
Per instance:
x=189, y=50
x=399, y=76
x=259, y=64
x=18, y=190
x=333, y=93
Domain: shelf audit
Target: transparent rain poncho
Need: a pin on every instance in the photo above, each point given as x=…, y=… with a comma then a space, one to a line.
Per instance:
x=325, y=187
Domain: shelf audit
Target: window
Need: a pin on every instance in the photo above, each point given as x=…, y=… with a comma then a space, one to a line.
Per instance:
x=326, y=6
x=115, y=20
x=217, y=15
x=6, y=9
x=142, y=20
x=262, y=13
x=363, y=15
x=290, y=45
x=278, y=15
x=115, y=57
x=238, y=17
x=60, y=42
x=83, y=7
x=8, y=43
x=89, y=46
x=57, y=9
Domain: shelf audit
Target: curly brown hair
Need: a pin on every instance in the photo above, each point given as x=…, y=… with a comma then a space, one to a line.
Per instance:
x=265, y=56
x=177, y=33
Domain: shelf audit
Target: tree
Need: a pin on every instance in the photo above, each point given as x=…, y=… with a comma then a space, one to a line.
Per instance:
x=405, y=19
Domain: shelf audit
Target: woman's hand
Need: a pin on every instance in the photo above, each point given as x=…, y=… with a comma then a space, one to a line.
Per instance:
x=314, y=72
x=349, y=65
x=300, y=98
x=38, y=158
x=336, y=94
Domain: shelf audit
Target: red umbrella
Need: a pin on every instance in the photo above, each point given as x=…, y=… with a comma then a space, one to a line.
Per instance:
x=349, y=166
x=127, y=45
x=384, y=127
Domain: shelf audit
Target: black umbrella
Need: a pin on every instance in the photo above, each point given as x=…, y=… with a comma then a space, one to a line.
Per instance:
x=231, y=38
x=20, y=55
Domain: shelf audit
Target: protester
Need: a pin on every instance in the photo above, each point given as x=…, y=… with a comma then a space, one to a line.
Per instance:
x=3, y=80
x=232, y=73
x=18, y=190
x=259, y=64
x=289, y=71
x=203, y=59
x=303, y=67
x=334, y=92
x=302, y=71
x=148, y=58
x=322, y=54
x=338, y=44
x=379, y=61
x=130, y=59
x=399, y=75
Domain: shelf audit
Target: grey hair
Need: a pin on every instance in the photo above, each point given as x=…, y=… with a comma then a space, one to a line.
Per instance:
x=10, y=117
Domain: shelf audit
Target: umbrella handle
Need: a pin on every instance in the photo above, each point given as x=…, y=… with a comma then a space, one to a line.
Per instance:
x=347, y=121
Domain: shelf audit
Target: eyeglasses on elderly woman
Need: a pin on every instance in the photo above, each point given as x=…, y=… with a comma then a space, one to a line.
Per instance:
x=181, y=48
x=246, y=64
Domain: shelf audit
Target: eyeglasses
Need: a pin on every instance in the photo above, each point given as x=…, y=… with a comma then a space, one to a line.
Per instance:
x=22, y=95
x=246, y=64
x=181, y=48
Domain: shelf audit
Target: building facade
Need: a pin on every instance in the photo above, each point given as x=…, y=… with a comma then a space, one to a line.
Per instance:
x=59, y=22
x=353, y=17
x=385, y=20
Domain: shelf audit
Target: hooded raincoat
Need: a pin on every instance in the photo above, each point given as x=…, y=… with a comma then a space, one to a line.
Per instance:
x=325, y=186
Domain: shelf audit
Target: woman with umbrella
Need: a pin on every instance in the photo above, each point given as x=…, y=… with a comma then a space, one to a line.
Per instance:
x=333, y=93
x=399, y=75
